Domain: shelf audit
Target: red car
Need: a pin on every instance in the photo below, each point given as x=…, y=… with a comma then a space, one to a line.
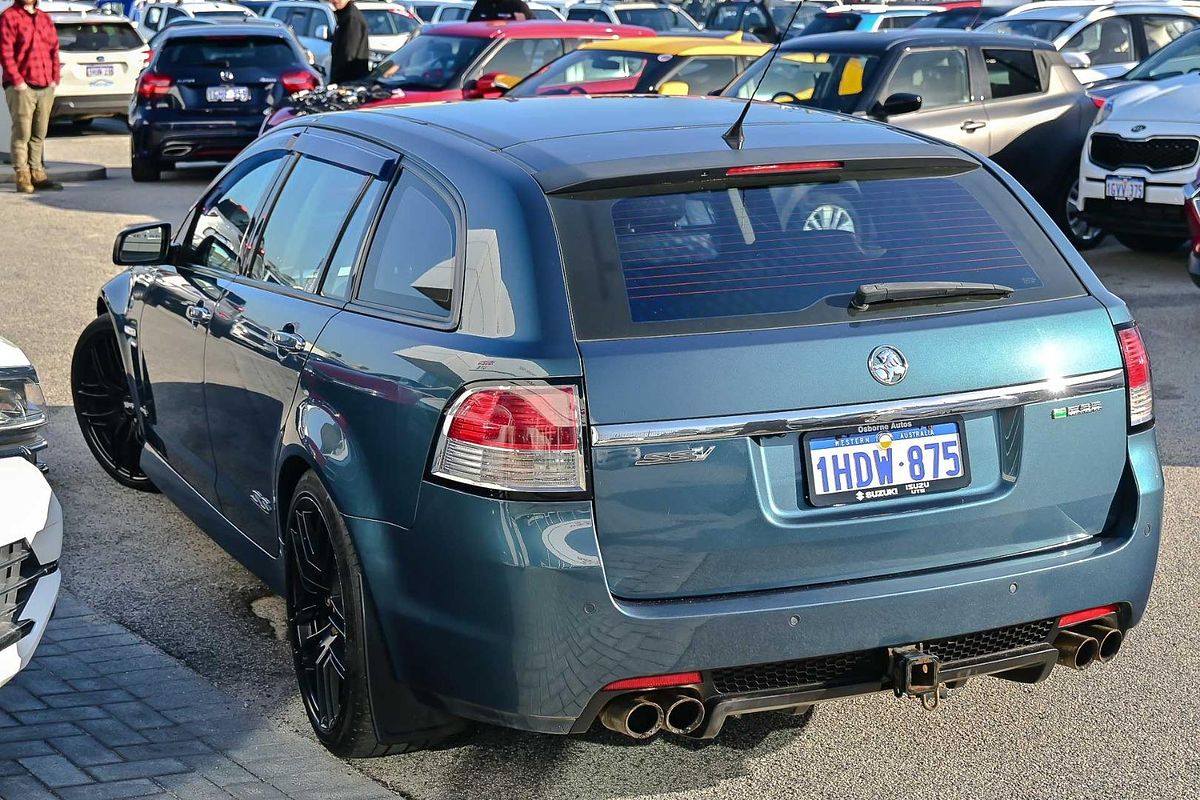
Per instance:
x=464, y=61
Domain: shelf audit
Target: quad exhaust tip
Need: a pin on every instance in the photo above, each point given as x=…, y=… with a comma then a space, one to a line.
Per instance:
x=636, y=717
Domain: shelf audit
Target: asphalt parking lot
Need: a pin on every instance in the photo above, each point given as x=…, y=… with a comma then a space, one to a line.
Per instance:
x=1122, y=730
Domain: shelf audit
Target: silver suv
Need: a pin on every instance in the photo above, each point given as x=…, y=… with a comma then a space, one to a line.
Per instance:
x=1103, y=39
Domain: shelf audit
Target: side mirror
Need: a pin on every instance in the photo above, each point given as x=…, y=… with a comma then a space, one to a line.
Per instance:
x=322, y=32
x=503, y=81
x=143, y=244
x=898, y=103
x=493, y=84
x=674, y=88
x=1077, y=60
x=310, y=58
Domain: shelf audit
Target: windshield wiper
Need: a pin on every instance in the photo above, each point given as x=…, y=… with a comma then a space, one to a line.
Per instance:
x=870, y=294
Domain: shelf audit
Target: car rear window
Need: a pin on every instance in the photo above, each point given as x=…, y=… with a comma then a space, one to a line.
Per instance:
x=388, y=22
x=97, y=37
x=832, y=23
x=793, y=254
x=227, y=51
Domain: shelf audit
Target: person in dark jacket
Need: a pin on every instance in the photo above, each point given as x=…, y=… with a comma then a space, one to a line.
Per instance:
x=510, y=10
x=350, y=53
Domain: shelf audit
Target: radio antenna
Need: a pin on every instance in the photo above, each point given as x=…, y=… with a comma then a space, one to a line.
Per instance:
x=734, y=136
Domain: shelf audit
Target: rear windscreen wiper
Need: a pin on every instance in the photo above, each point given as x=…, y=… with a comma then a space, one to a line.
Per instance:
x=870, y=294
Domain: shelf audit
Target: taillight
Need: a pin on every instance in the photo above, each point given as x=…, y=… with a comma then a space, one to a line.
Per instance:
x=154, y=84
x=524, y=437
x=656, y=682
x=298, y=80
x=783, y=169
x=149, y=55
x=1137, y=376
x=1098, y=102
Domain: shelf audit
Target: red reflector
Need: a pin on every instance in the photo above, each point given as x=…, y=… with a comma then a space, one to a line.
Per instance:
x=655, y=682
x=1085, y=615
x=1098, y=102
x=298, y=80
x=780, y=169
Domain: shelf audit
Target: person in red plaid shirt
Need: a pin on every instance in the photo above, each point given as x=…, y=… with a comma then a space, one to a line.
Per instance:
x=30, y=70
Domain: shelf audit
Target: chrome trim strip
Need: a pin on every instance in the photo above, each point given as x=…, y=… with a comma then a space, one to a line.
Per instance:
x=710, y=428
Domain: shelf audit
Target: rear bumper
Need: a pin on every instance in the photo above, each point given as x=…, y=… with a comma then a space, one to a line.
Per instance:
x=30, y=537
x=90, y=105
x=193, y=139
x=499, y=610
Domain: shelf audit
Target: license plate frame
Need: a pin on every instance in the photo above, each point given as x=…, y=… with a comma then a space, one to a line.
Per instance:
x=1133, y=188
x=883, y=494
x=227, y=94
x=99, y=70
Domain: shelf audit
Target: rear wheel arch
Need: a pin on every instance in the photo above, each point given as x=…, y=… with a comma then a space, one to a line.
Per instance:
x=291, y=470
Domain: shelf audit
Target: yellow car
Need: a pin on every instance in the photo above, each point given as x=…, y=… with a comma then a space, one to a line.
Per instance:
x=660, y=65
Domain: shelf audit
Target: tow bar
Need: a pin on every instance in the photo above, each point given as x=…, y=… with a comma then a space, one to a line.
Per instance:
x=916, y=673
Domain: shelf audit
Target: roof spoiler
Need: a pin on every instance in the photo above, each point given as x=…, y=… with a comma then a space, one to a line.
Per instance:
x=740, y=168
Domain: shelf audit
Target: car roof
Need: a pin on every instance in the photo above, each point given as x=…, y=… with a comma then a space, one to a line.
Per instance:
x=208, y=5
x=624, y=4
x=226, y=29
x=537, y=29
x=681, y=46
x=882, y=41
x=570, y=141
x=87, y=17
x=1073, y=12
x=877, y=8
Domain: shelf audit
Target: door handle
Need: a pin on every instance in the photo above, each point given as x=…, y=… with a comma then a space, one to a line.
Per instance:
x=198, y=314
x=287, y=340
x=971, y=125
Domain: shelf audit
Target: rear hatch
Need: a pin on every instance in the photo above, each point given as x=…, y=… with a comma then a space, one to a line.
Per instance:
x=99, y=57
x=752, y=431
x=226, y=74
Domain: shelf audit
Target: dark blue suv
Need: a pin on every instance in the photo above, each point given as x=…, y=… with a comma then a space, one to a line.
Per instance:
x=203, y=94
x=557, y=411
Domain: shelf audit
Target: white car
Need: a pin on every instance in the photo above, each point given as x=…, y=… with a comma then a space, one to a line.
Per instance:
x=1100, y=39
x=1141, y=152
x=31, y=524
x=153, y=17
x=101, y=58
x=389, y=27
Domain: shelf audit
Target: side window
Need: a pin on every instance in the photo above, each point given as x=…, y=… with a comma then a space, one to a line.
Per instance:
x=304, y=224
x=703, y=75
x=1109, y=41
x=453, y=14
x=1161, y=31
x=410, y=266
x=898, y=21
x=938, y=76
x=341, y=265
x=173, y=13
x=224, y=217
x=1012, y=73
x=587, y=15
x=521, y=57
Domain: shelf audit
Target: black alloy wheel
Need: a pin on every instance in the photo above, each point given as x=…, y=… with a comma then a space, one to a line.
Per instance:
x=104, y=405
x=317, y=616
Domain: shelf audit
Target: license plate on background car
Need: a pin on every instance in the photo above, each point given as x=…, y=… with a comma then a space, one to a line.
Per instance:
x=1124, y=187
x=99, y=70
x=885, y=462
x=227, y=94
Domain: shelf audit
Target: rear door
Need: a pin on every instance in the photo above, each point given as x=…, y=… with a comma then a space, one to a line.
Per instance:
x=949, y=110
x=271, y=315
x=751, y=431
x=226, y=73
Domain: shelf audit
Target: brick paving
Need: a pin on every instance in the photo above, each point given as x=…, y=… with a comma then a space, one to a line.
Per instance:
x=101, y=714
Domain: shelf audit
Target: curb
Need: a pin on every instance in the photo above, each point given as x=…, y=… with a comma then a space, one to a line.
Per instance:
x=62, y=171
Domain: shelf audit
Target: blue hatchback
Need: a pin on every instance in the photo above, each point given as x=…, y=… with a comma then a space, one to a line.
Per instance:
x=560, y=411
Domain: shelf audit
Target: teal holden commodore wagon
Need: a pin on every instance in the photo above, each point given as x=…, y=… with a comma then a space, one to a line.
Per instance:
x=563, y=412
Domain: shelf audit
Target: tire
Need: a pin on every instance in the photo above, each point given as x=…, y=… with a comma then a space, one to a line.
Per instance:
x=145, y=170
x=1145, y=243
x=1065, y=213
x=324, y=592
x=104, y=405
